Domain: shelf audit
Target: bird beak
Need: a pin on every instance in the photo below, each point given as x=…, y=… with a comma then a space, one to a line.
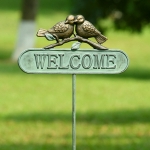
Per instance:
x=75, y=20
x=66, y=21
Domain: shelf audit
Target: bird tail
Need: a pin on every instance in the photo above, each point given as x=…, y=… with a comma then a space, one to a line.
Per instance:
x=41, y=32
x=100, y=39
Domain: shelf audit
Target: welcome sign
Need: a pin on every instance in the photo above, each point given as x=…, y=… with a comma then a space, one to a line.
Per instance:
x=55, y=61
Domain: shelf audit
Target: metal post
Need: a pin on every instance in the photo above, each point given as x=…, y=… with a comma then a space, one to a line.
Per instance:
x=73, y=111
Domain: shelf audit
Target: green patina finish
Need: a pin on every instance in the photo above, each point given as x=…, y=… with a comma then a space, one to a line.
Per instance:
x=56, y=61
x=73, y=61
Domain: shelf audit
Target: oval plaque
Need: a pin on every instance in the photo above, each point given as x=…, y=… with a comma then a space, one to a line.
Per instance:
x=73, y=62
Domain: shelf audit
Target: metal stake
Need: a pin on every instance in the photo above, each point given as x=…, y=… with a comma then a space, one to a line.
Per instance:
x=73, y=111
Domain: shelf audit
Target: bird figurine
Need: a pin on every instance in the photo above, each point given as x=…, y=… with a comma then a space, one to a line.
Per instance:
x=86, y=29
x=61, y=30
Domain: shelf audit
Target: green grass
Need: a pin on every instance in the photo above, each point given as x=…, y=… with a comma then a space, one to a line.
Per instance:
x=113, y=111
x=35, y=111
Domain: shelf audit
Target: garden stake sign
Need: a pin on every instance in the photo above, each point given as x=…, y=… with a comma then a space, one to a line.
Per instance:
x=99, y=60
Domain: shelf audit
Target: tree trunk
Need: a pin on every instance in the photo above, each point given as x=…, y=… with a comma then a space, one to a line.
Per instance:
x=27, y=27
x=29, y=9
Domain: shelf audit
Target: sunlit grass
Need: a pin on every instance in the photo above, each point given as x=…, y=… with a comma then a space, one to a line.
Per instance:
x=113, y=111
x=38, y=108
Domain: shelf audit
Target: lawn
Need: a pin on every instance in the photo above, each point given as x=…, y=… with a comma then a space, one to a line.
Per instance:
x=113, y=111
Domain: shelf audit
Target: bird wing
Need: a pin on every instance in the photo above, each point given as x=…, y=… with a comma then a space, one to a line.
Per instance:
x=60, y=27
x=90, y=29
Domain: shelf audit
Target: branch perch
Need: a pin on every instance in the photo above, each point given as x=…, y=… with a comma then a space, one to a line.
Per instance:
x=79, y=39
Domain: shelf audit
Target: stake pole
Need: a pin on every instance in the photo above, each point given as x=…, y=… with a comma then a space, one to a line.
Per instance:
x=73, y=111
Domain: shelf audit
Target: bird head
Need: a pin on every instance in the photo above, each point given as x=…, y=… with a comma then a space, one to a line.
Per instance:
x=79, y=19
x=70, y=19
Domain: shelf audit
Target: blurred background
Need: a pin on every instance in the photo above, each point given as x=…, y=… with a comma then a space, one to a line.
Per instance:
x=113, y=111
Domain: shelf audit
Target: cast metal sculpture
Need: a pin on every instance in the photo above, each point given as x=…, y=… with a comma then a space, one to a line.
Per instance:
x=61, y=30
x=64, y=30
x=54, y=61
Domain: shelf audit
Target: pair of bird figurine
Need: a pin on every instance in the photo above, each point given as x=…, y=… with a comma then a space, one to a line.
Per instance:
x=65, y=29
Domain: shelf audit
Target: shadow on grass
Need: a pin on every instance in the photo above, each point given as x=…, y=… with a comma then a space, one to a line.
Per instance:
x=114, y=117
x=92, y=143
x=34, y=147
x=135, y=73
